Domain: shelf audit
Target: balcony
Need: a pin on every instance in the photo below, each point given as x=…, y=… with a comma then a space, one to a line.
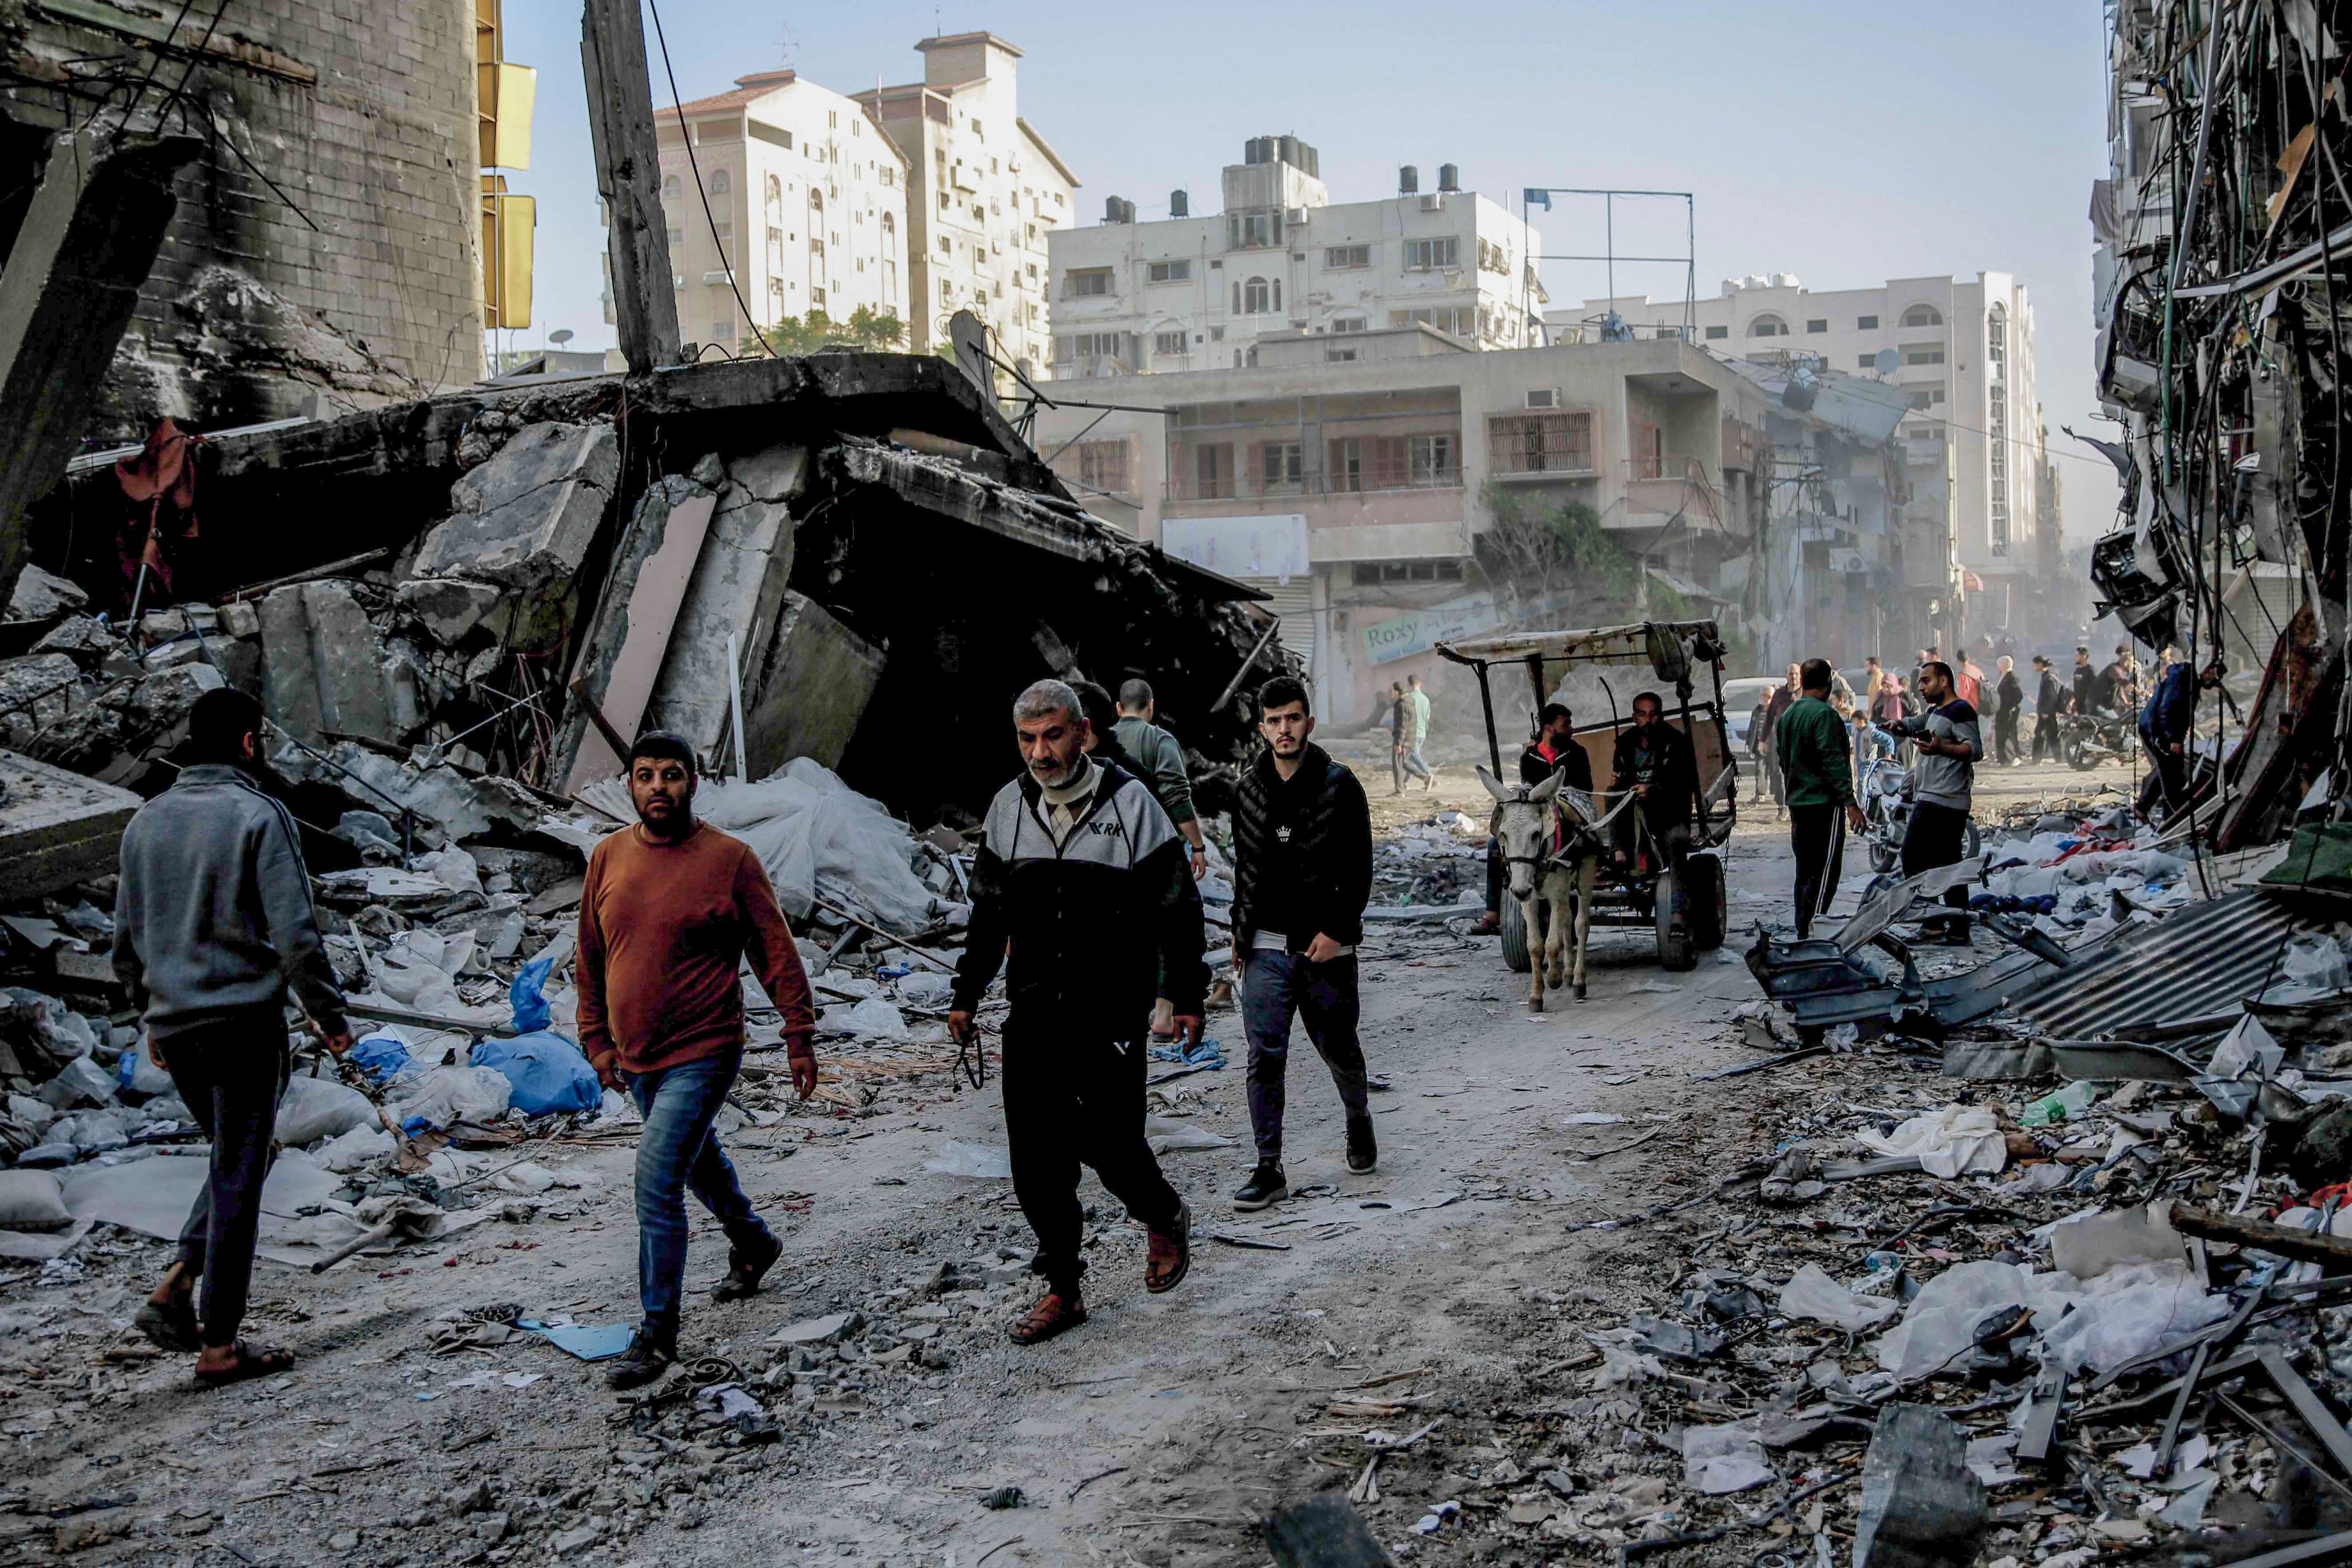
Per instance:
x=1184, y=485
x=1664, y=486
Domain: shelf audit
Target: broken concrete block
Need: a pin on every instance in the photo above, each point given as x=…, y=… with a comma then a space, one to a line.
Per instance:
x=43, y=596
x=449, y=804
x=446, y=607
x=161, y=625
x=1922, y=1507
x=626, y=642
x=773, y=473
x=81, y=639
x=112, y=740
x=240, y=619
x=806, y=699
x=526, y=518
x=57, y=829
x=35, y=691
x=737, y=590
x=830, y=1329
x=323, y=665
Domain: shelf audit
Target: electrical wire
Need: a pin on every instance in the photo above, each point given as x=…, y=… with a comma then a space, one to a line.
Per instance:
x=686, y=132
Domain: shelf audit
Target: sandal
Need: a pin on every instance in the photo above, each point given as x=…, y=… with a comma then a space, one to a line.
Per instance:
x=1171, y=1255
x=172, y=1328
x=1053, y=1313
x=252, y=1360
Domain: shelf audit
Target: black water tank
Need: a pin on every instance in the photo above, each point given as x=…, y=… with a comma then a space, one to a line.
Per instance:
x=1408, y=180
x=1179, y=204
x=1449, y=178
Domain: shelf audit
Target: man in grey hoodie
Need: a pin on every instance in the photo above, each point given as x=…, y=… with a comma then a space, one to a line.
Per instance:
x=1950, y=742
x=212, y=924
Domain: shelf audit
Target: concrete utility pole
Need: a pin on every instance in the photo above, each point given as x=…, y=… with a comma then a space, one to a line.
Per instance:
x=89, y=239
x=628, y=175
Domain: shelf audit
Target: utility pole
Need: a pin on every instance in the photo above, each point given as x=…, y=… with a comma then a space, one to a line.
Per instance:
x=628, y=176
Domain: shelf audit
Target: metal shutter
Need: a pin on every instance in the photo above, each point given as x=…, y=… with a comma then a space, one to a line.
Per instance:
x=1293, y=603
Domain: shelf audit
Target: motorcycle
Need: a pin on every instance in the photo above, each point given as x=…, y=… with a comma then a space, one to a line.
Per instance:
x=2087, y=740
x=1886, y=805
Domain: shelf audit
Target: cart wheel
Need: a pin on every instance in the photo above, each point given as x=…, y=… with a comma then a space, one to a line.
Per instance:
x=1972, y=843
x=1675, y=949
x=1708, y=913
x=1514, y=934
x=1884, y=856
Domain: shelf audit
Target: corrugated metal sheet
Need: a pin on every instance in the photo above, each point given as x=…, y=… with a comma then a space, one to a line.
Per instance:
x=2200, y=960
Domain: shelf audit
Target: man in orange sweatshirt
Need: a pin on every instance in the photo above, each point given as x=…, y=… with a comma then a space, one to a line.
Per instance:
x=667, y=910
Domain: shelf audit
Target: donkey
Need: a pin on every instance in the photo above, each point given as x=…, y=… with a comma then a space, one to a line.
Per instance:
x=1545, y=833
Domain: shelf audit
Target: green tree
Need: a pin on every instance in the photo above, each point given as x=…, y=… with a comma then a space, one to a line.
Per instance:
x=864, y=330
x=1540, y=550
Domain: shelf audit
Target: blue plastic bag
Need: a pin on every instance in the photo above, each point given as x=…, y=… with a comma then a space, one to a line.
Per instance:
x=548, y=1072
x=381, y=1057
x=532, y=1012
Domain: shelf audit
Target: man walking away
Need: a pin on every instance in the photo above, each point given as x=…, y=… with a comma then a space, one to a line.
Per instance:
x=2049, y=701
x=2008, y=700
x=1302, y=875
x=2166, y=725
x=1081, y=875
x=1142, y=738
x=1949, y=744
x=1654, y=760
x=1417, y=705
x=1819, y=767
x=2122, y=680
x=212, y=924
x=669, y=910
x=1968, y=681
x=1402, y=758
x=1783, y=696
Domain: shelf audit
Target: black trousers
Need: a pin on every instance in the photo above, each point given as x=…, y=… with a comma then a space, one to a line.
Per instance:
x=2004, y=736
x=1937, y=836
x=2046, y=736
x=1814, y=836
x=2167, y=779
x=1075, y=1099
x=231, y=1074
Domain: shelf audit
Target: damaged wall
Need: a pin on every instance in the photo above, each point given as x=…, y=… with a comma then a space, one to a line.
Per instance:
x=362, y=118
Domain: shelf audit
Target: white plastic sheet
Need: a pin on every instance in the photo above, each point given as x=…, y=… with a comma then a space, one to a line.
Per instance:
x=982, y=1161
x=315, y=1107
x=1955, y=1140
x=446, y=1096
x=1812, y=1294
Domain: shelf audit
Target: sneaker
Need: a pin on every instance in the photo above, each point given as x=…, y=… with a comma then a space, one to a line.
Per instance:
x=1264, y=1188
x=745, y=1271
x=647, y=1360
x=1363, y=1149
x=1054, y=1314
x=1171, y=1255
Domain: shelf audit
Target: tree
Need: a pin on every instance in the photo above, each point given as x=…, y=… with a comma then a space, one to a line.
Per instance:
x=1540, y=551
x=863, y=330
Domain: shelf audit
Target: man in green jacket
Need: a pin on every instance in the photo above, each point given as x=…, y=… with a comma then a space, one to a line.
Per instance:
x=1817, y=761
x=1161, y=757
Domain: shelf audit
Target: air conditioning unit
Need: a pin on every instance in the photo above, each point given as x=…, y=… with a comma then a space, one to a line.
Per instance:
x=1294, y=216
x=1543, y=397
x=1431, y=202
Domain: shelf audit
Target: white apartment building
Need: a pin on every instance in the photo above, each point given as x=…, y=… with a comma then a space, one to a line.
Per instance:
x=986, y=191
x=1197, y=293
x=1963, y=354
x=807, y=206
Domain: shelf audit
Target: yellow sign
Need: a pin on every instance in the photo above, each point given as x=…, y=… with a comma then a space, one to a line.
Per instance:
x=509, y=225
x=507, y=93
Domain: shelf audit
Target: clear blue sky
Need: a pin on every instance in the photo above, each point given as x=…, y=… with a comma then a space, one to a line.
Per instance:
x=1844, y=143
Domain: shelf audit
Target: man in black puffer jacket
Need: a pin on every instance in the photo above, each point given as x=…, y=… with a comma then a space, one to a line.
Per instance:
x=1081, y=875
x=1302, y=875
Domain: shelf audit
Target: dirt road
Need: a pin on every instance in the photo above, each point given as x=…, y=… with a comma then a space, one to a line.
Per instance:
x=1158, y=1433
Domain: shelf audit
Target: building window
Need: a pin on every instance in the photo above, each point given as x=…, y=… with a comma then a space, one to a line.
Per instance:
x=1432, y=255
x=887, y=174
x=1338, y=356
x=1715, y=333
x=677, y=239
x=1867, y=362
x=1539, y=444
x=1103, y=466
x=1648, y=460
x=890, y=288
x=1767, y=327
x=947, y=295
x=1096, y=345
x=1919, y=400
x=1085, y=282
x=1817, y=326
x=720, y=185
x=1281, y=467
x=1997, y=449
x=1168, y=271
x=670, y=188
x=1865, y=323
x=1345, y=255
x=1349, y=324
x=1212, y=472
x=1344, y=470
x=1166, y=344
x=1997, y=342
x=722, y=331
x=890, y=231
x=1375, y=573
x=1493, y=257
x=817, y=297
x=1923, y=316
x=1923, y=356
x=1252, y=228
x=1435, y=459
x=1257, y=297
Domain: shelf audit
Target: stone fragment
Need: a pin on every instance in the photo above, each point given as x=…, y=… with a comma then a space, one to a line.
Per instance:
x=80, y=637
x=56, y=828
x=37, y=689
x=41, y=595
x=737, y=590
x=771, y=474
x=446, y=607
x=808, y=697
x=112, y=740
x=832, y=1329
x=1922, y=1507
x=526, y=518
x=324, y=665
x=240, y=619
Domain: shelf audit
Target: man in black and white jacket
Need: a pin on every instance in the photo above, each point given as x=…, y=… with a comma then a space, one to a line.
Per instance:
x=1081, y=875
x=1302, y=875
x=1951, y=742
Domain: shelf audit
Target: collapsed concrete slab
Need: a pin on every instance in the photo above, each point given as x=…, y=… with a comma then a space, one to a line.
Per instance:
x=525, y=520
x=812, y=690
x=449, y=804
x=115, y=738
x=57, y=829
x=35, y=691
x=79, y=637
x=446, y=607
x=324, y=666
x=41, y=595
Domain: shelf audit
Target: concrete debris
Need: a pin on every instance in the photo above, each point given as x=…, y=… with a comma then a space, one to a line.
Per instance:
x=1922, y=1506
x=325, y=666
x=41, y=595
x=524, y=521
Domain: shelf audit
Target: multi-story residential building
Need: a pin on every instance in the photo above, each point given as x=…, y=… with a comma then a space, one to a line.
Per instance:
x=807, y=209
x=1961, y=352
x=985, y=192
x=1357, y=479
x=1197, y=293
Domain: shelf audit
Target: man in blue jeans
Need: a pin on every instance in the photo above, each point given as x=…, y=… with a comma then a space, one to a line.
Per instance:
x=668, y=910
x=1302, y=875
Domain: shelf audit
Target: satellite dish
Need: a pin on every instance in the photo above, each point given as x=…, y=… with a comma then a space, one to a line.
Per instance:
x=1886, y=361
x=561, y=335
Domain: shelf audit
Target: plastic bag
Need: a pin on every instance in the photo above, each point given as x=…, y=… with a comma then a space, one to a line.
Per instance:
x=2314, y=961
x=383, y=1056
x=982, y=1161
x=875, y=1019
x=925, y=987
x=1812, y=1294
x=820, y=838
x=357, y=1149
x=1955, y=1140
x=1720, y=1460
x=528, y=994
x=445, y=1096
x=138, y=1074
x=452, y=868
x=545, y=1073
x=315, y=1107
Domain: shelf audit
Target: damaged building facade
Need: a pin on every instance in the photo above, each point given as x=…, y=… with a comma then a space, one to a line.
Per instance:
x=324, y=251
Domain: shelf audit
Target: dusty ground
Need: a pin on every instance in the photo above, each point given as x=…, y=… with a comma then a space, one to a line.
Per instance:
x=1198, y=1412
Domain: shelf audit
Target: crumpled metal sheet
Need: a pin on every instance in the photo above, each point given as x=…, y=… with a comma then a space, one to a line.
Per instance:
x=2206, y=959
